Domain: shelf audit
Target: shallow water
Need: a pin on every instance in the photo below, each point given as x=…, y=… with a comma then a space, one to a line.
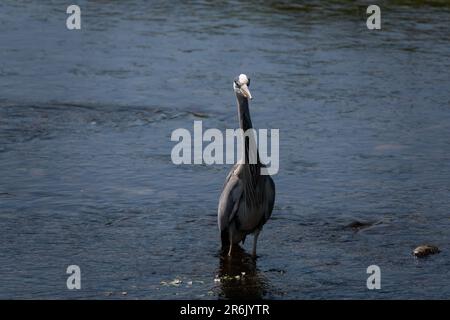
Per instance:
x=86, y=175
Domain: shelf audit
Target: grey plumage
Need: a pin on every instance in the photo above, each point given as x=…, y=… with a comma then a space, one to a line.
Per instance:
x=248, y=197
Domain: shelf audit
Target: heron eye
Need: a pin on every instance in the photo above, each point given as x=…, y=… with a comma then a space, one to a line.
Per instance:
x=237, y=83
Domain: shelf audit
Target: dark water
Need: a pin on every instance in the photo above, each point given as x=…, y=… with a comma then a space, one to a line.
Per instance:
x=86, y=175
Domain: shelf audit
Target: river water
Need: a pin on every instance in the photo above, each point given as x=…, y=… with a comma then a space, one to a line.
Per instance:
x=86, y=174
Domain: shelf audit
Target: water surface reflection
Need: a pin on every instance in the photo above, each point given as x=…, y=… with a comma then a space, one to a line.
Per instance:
x=240, y=277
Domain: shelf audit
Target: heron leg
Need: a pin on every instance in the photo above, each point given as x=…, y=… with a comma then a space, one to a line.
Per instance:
x=254, y=242
x=231, y=244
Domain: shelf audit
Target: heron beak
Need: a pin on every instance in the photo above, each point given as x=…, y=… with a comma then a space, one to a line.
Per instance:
x=246, y=92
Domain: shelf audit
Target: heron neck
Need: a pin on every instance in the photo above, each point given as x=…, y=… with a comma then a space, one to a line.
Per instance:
x=244, y=113
x=245, y=124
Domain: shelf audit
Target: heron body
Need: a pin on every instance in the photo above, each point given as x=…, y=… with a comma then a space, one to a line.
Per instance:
x=248, y=197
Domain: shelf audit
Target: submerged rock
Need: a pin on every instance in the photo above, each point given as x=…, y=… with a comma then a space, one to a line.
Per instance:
x=175, y=282
x=425, y=250
x=358, y=225
x=199, y=114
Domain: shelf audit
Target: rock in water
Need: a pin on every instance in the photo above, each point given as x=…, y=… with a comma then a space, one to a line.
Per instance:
x=425, y=250
x=358, y=225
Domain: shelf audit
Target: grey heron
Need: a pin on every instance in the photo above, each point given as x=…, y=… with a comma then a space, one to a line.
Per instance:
x=248, y=197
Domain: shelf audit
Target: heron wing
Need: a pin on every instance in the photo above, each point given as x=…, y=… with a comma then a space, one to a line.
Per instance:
x=231, y=173
x=270, y=192
x=229, y=201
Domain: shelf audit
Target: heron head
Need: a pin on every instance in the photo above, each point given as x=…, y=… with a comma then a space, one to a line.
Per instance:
x=240, y=86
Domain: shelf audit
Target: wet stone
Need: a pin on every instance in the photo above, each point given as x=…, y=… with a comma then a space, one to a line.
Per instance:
x=425, y=250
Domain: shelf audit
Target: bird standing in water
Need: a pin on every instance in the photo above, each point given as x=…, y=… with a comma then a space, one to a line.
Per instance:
x=248, y=197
